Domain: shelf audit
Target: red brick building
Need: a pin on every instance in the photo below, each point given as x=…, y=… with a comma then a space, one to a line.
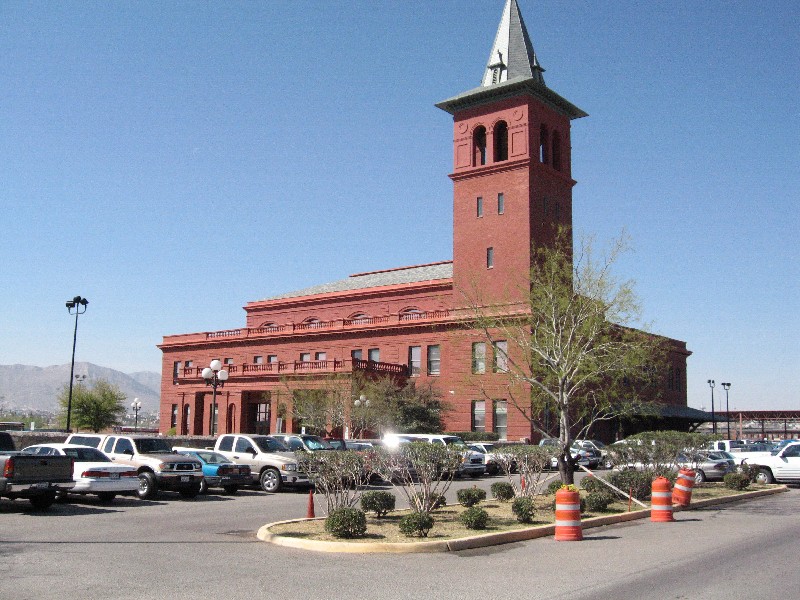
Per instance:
x=512, y=187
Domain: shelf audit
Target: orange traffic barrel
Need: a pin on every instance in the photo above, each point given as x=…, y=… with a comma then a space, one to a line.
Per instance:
x=568, y=516
x=682, y=492
x=661, y=503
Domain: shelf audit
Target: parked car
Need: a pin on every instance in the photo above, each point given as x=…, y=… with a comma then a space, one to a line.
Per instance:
x=218, y=470
x=487, y=449
x=709, y=465
x=302, y=441
x=782, y=466
x=93, y=471
x=473, y=464
x=272, y=465
x=344, y=444
x=596, y=446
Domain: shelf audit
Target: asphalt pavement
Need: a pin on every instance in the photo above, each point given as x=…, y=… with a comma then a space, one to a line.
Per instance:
x=206, y=548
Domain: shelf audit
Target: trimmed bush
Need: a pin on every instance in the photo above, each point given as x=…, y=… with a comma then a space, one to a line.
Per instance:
x=597, y=501
x=438, y=501
x=749, y=471
x=346, y=523
x=736, y=481
x=638, y=483
x=470, y=496
x=502, y=491
x=524, y=509
x=474, y=518
x=416, y=524
x=591, y=484
x=378, y=502
x=553, y=487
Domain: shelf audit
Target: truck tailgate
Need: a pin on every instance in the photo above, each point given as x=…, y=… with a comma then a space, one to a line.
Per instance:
x=25, y=468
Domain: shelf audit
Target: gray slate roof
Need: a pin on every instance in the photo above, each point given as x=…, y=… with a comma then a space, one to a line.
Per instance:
x=403, y=275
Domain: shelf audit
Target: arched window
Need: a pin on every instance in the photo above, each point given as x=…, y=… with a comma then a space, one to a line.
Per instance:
x=500, y=142
x=358, y=318
x=411, y=313
x=543, y=145
x=556, y=156
x=479, y=146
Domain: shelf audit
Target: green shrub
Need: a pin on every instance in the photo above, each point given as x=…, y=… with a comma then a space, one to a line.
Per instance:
x=524, y=509
x=598, y=501
x=474, y=518
x=749, y=471
x=553, y=487
x=346, y=523
x=736, y=481
x=438, y=501
x=502, y=491
x=591, y=484
x=416, y=524
x=378, y=502
x=470, y=496
x=637, y=483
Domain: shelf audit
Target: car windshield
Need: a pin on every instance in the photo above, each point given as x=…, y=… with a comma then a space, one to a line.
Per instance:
x=455, y=441
x=315, y=443
x=86, y=455
x=267, y=444
x=212, y=458
x=153, y=446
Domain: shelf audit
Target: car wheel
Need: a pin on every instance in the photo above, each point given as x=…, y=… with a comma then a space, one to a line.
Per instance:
x=43, y=501
x=190, y=493
x=231, y=489
x=148, y=486
x=106, y=496
x=270, y=480
x=764, y=476
x=203, y=487
x=475, y=475
x=699, y=476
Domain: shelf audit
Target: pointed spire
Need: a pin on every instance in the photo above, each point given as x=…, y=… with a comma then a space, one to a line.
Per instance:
x=512, y=53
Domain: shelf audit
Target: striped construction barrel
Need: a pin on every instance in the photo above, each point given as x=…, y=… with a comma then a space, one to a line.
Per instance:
x=661, y=503
x=682, y=492
x=568, y=516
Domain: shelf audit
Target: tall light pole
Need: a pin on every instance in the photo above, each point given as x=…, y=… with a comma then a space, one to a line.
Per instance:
x=362, y=400
x=136, y=406
x=215, y=376
x=713, y=418
x=75, y=304
x=726, y=387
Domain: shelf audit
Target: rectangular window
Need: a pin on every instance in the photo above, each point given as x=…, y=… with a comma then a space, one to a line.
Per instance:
x=356, y=354
x=479, y=207
x=374, y=354
x=173, y=417
x=500, y=418
x=479, y=357
x=176, y=369
x=490, y=257
x=228, y=361
x=321, y=356
x=478, y=415
x=272, y=358
x=434, y=360
x=500, y=356
x=305, y=356
x=257, y=360
x=414, y=360
x=501, y=203
x=188, y=364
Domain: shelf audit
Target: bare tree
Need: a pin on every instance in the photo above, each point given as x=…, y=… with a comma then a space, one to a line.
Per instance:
x=571, y=348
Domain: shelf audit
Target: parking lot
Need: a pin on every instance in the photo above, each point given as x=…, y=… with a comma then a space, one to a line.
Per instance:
x=175, y=548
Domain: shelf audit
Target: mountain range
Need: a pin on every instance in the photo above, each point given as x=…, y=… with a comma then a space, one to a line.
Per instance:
x=25, y=387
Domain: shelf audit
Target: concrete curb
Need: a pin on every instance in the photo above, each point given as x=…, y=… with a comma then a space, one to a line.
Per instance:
x=483, y=540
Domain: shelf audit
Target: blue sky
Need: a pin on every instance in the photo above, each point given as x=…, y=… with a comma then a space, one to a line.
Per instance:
x=171, y=161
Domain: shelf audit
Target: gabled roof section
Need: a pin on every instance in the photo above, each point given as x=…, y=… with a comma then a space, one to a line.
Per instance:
x=512, y=54
x=375, y=279
x=512, y=69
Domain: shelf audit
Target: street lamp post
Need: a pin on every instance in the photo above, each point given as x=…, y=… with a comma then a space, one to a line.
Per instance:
x=362, y=400
x=726, y=387
x=76, y=303
x=215, y=376
x=136, y=406
x=713, y=418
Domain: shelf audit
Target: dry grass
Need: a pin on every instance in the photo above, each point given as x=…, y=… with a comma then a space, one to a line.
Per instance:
x=447, y=525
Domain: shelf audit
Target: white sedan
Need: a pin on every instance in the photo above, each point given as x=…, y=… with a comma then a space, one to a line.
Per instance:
x=93, y=472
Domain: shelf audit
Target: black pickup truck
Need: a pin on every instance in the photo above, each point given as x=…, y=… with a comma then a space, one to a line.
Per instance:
x=37, y=478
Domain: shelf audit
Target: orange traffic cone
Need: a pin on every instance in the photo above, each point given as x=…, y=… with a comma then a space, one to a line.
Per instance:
x=682, y=492
x=661, y=504
x=568, y=516
x=310, y=512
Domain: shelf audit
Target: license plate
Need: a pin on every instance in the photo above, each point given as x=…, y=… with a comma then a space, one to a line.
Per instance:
x=42, y=485
x=185, y=478
x=114, y=476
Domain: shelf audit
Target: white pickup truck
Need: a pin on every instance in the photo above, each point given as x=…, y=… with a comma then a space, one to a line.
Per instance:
x=740, y=451
x=781, y=467
x=272, y=464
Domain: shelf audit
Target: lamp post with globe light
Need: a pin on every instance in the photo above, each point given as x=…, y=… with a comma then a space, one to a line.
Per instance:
x=136, y=406
x=215, y=376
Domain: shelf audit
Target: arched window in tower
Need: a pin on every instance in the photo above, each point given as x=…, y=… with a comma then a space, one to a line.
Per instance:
x=556, y=155
x=500, y=142
x=543, y=145
x=479, y=146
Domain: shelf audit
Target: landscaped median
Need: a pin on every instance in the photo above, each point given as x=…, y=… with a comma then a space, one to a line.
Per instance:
x=448, y=535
